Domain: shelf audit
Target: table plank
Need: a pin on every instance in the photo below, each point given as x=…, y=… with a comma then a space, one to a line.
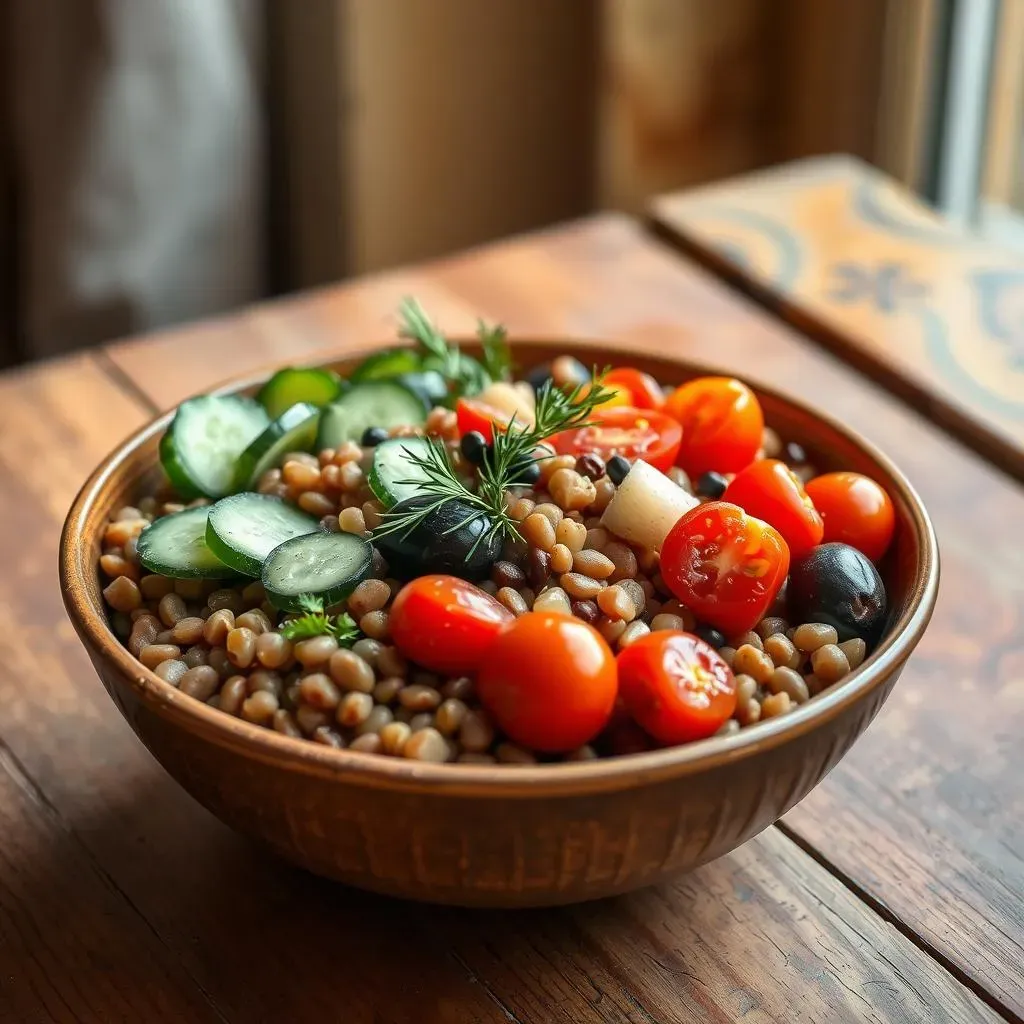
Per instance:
x=852, y=257
x=926, y=814
x=270, y=943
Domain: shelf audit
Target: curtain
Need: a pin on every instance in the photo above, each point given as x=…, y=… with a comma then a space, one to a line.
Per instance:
x=131, y=184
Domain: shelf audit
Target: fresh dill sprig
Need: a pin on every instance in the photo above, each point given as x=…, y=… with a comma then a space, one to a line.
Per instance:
x=466, y=375
x=314, y=621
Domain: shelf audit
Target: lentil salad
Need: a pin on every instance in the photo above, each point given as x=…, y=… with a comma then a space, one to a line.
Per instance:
x=431, y=560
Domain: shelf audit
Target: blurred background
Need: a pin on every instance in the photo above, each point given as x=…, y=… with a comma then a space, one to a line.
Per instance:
x=163, y=160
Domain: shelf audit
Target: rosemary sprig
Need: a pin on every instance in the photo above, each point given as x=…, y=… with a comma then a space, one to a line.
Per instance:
x=513, y=448
x=314, y=621
x=466, y=375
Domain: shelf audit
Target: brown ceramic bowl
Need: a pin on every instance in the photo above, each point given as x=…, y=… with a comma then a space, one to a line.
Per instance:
x=504, y=836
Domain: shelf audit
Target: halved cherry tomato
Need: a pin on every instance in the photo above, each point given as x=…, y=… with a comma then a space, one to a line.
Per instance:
x=770, y=490
x=856, y=511
x=676, y=686
x=445, y=624
x=722, y=424
x=725, y=566
x=634, y=433
x=645, y=392
x=549, y=681
x=474, y=414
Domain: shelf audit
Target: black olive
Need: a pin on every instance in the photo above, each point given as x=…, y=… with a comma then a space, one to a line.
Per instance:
x=474, y=446
x=455, y=538
x=539, y=376
x=795, y=454
x=373, y=436
x=617, y=467
x=526, y=473
x=711, y=636
x=711, y=485
x=837, y=584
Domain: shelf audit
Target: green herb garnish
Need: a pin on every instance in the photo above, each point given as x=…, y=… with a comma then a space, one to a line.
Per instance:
x=314, y=621
x=512, y=449
x=465, y=375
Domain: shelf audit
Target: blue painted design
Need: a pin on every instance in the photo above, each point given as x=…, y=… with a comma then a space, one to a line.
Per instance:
x=868, y=205
x=994, y=291
x=887, y=286
x=940, y=350
x=788, y=251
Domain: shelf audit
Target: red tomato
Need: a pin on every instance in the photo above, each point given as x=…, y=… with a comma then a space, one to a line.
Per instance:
x=472, y=414
x=676, y=686
x=445, y=624
x=722, y=424
x=633, y=433
x=644, y=390
x=724, y=565
x=549, y=682
x=770, y=490
x=856, y=511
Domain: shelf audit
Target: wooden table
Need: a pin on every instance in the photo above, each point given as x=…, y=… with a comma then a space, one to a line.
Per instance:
x=893, y=893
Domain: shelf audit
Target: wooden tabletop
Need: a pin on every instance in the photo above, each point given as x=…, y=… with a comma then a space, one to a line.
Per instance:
x=893, y=893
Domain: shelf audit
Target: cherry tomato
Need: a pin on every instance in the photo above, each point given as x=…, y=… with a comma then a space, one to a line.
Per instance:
x=722, y=425
x=473, y=414
x=549, y=682
x=725, y=566
x=645, y=392
x=445, y=624
x=634, y=433
x=856, y=511
x=770, y=490
x=676, y=686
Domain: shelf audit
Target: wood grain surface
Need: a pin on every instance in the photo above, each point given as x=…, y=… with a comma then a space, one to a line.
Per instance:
x=186, y=909
x=853, y=258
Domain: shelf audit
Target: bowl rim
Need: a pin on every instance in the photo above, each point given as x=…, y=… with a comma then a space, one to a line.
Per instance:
x=585, y=777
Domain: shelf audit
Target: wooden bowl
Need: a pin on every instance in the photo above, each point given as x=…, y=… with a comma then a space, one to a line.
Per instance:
x=508, y=836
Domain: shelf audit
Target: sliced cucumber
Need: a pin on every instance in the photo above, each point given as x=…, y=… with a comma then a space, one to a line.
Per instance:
x=376, y=403
x=391, y=363
x=293, y=431
x=291, y=386
x=243, y=529
x=430, y=385
x=325, y=565
x=176, y=546
x=205, y=438
x=394, y=476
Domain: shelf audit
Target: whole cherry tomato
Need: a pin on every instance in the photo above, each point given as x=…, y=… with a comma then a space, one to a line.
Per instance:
x=549, y=682
x=722, y=424
x=770, y=490
x=856, y=511
x=676, y=686
x=445, y=624
x=644, y=391
x=634, y=433
x=725, y=566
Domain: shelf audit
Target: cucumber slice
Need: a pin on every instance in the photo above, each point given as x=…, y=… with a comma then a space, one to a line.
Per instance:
x=291, y=386
x=243, y=529
x=390, y=363
x=377, y=403
x=430, y=386
x=204, y=440
x=175, y=546
x=325, y=565
x=293, y=431
x=394, y=476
